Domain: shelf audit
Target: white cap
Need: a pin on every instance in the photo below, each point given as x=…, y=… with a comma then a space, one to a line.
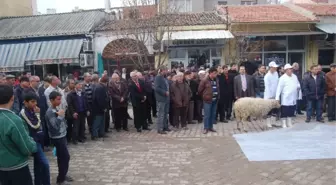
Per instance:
x=201, y=72
x=288, y=66
x=272, y=64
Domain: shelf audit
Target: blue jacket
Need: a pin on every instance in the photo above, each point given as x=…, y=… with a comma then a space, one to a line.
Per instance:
x=57, y=126
x=161, y=86
x=314, y=90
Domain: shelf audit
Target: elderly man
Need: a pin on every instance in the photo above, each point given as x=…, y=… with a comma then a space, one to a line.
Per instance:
x=288, y=90
x=192, y=85
x=138, y=98
x=119, y=95
x=313, y=88
x=55, y=82
x=161, y=87
x=180, y=93
x=10, y=80
x=297, y=72
x=271, y=83
x=199, y=101
x=330, y=79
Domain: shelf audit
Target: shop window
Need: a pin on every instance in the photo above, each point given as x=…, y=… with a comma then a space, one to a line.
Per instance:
x=252, y=44
x=298, y=58
x=275, y=43
x=296, y=42
x=216, y=52
x=326, y=57
x=279, y=58
x=177, y=53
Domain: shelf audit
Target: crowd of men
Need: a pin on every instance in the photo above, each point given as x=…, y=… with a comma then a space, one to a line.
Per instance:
x=55, y=116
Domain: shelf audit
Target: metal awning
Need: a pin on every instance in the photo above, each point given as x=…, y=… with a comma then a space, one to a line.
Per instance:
x=54, y=52
x=12, y=56
x=278, y=33
x=327, y=28
x=195, y=35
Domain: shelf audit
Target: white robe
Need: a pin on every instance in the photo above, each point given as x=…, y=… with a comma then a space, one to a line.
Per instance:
x=289, y=90
x=271, y=83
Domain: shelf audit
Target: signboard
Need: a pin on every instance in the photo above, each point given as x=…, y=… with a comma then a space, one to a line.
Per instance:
x=278, y=60
x=53, y=61
x=196, y=42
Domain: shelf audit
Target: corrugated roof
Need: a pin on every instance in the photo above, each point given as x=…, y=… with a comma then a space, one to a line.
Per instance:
x=73, y=23
x=322, y=9
x=262, y=14
x=16, y=55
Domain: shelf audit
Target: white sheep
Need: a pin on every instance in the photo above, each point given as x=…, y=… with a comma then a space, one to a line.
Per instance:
x=258, y=108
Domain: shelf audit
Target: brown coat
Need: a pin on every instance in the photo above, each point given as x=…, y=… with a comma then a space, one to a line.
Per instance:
x=330, y=79
x=180, y=94
x=205, y=90
x=116, y=94
x=237, y=85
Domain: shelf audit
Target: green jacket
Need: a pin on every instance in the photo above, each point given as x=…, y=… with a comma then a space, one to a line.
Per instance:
x=15, y=143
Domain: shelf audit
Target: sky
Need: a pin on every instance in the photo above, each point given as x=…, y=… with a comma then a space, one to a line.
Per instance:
x=68, y=5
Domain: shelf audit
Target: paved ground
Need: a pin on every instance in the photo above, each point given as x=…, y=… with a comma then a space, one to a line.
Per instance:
x=186, y=158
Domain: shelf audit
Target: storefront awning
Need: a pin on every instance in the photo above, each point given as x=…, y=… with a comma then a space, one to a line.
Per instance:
x=12, y=56
x=278, y=33
x=54, y=52
x=327, y=28
x=194, y=35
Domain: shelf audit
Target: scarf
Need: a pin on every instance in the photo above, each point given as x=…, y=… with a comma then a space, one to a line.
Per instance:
x=31, y=118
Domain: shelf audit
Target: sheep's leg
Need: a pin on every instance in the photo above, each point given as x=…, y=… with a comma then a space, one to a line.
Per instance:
x=244, y=127
x=238, y=128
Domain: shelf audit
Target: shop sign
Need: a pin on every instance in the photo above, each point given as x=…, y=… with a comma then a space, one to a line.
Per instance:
x=54, y=61
x=196, y=42
x=276, y=59
x=4, y=70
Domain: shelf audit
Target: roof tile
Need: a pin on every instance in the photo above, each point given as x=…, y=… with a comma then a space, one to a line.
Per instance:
x=321, y=9
x=262, y=13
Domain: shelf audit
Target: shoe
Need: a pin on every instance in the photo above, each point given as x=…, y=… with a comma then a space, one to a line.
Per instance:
x=300, y=113
x=167, y=130
x=321, y=121
x=63, y=183
x=221, y=120
x=150, y=122
x=212, y=130
x=75, y=142
x=82, y=141
x=118, y=130
x=200, y=121
x=147, y=129
x=139, y=130
x=225, y=121
x=289, y=122
x=126, y=129
x=185, y=128
x=268, y=123
x=162, y=132
x=284, y=123
x=69, y=179
x=93, y=138
x=205, y=131
x=307, y=120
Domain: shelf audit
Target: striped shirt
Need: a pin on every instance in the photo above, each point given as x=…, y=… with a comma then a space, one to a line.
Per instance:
x=88, y=92
x=214, y=90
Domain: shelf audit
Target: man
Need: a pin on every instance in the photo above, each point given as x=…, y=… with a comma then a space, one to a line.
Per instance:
x=209, y=90
x=148, y=90
x=2, y=78
x=161, y=87
x=138, y=98
x=124, y=74
x=88, y=88
x=10, y=80
x=271, y=83
x=34, y=84
x=297, y=72
x=55, y=119
x=330, y=80
x=77, y=111
x=199, y=101
x=259, y=81
x=233, y=69
x=19, y=92
x=288, y=91
x=180, y=94
x=192, y=85
x=225, y=81
x=243, y=84
x=119, y=95
x=313, y=88
x=70, y=86
x=55, y=82
x=15, y=143
x=99, y=107
x=319, y=71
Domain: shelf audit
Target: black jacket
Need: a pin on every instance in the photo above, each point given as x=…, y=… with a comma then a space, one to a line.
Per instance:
x=194, y=88
x=314, y=90
x=137, y=95
x=73, y=104
x=259, y=82
x=226, y=86
x=99, y=99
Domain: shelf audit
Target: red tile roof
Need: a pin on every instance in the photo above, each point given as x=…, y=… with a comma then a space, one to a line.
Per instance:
x=262, y=13
x=320, y=9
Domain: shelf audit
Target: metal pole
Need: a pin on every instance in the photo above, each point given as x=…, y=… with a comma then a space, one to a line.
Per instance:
x=43, y=72
x=59, y=71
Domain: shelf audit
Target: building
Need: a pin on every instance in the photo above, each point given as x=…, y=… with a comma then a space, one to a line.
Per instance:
x=206, y=5
x=51, y=11
x=57, y=43
x=17, y=7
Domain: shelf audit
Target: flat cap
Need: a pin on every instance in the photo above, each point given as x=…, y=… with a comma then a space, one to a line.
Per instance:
x=10, y=77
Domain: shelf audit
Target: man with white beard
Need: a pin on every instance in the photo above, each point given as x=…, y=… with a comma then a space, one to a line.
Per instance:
x=271, y=83
x=289, y=91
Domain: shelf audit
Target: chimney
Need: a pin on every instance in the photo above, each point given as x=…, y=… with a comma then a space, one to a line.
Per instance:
x=107, y=6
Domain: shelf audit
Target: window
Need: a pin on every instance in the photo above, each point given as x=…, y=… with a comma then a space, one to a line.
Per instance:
x=279, y=58
x=216, y=52
x=180, y=5
x=274, y=43
x=296, y=42
x=222, y=2
x=253, y=44
x=326, y=56
x=248, y=2
x=177, y=53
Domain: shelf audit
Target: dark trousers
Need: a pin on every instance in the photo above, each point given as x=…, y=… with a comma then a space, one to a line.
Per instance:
x=69, y=134
x=171, y=114
x=190, y=112
x=180, y=116
x=20, y=176
x=199, y=108
x=298, y=106
x=89, y=120
x=317, y=106
x=78, y=129
x=98, y=127
x=148, y=111
x=140, y=116
x=225, y=109
x=120, y=118
x=63, y=158
x=46, y=139
x=107, y=120
x=41, y=167
x=332, y=108
x=153, y=105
